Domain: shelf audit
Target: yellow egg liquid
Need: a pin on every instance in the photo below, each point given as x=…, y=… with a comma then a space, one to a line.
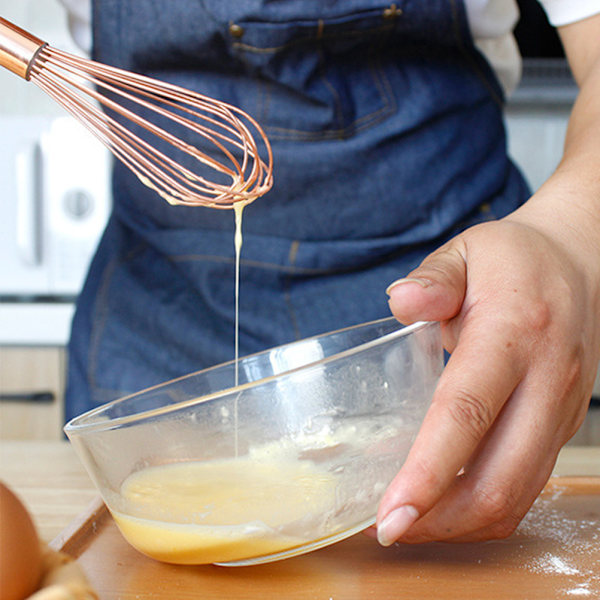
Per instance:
x=223, y=511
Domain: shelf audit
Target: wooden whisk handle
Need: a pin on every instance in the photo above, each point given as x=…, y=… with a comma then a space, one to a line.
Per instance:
x=18, y=48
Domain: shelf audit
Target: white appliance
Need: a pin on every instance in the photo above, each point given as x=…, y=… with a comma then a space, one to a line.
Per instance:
x=55, y=201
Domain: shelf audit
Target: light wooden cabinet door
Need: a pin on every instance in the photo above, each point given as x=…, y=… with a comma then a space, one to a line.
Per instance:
x=32, y=384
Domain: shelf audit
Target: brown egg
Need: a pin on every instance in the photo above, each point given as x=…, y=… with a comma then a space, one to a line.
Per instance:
x=20, y=552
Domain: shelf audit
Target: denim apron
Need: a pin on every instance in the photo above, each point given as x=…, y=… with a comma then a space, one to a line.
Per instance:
x=387, y=133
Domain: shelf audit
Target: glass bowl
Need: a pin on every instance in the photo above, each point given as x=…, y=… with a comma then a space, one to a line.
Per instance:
x=294, y=457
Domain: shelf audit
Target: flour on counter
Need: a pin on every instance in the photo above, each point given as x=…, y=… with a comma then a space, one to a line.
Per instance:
x=545, y=521
x=550, y=563
x=567, y=542
x=583, y=589
x=571, y=540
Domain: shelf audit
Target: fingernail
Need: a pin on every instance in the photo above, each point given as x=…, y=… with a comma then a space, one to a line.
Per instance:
x=422, y=282
x=396, y=524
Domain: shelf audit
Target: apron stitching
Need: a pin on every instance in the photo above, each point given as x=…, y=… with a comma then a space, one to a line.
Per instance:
x=263, y=92
x=290, y=269
x=287, y=293
x=336, y=97
x=281, y=133
x=309, y=39
x=294, y=251
x=384, y=88
x=320, y=29
x=381, y=79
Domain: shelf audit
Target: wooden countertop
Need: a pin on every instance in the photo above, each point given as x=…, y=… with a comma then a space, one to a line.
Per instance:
x=49, y=479
x=55, y=488
x=553, y=555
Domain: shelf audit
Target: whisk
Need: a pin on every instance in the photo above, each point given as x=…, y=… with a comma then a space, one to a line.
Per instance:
x=83, y=86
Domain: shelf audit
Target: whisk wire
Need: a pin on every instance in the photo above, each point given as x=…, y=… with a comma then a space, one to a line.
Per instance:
x=141, y=157
x=83, y=86
x=163, y=160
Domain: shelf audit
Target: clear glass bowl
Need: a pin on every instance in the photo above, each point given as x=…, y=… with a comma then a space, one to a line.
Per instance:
x=295, y=457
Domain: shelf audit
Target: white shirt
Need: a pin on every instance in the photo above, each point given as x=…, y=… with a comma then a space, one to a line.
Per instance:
x=491, y=21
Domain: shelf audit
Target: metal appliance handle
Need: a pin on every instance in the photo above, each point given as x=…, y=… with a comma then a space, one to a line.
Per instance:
x=29, y=218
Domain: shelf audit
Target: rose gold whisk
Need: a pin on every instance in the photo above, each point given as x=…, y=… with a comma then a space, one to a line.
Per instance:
x=81, y=86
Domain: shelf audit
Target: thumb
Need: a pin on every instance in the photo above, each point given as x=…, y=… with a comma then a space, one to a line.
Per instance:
x=434, y=291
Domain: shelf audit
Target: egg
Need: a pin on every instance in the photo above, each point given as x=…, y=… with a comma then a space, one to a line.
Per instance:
x=20, y=551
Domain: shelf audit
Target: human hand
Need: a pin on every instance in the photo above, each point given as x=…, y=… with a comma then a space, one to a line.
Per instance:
x=519, y=305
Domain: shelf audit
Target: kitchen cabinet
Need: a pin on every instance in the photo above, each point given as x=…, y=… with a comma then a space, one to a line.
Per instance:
x=32, y=384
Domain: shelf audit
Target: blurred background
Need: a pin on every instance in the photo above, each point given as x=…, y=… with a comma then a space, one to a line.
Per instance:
x=54, y=198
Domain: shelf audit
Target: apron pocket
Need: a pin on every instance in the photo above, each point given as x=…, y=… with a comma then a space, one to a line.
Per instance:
x=318, y=78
